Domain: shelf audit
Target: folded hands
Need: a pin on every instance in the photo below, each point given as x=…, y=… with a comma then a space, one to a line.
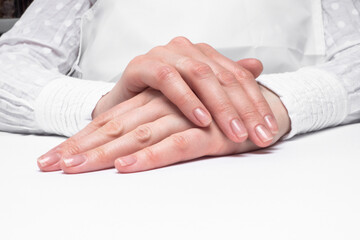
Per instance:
x=160, y=112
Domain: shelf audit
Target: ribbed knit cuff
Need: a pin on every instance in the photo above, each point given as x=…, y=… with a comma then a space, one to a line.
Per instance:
x=65, y=105
x=314, y=98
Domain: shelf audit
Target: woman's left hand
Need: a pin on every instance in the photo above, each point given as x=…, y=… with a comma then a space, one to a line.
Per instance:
x=147, y=132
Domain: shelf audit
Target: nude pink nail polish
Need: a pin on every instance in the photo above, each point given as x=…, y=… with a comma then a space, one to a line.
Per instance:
x=238, y=129
x=48, y=159
x=127, y=161
x=74, y=160
x=263, y=133
x=202, y=116
x=271, y=123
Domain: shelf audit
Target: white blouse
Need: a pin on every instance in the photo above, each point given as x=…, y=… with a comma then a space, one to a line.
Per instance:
x=39, y=95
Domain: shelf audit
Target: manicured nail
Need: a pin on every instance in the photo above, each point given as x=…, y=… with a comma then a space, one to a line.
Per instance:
x=74, y=160
x=127, y=161
x=271, y=123
x=238, y=129
x=48, y=159
x=263, y=133
x=202, y=116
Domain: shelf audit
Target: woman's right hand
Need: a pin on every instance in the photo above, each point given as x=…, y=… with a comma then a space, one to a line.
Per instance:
x=203, y=84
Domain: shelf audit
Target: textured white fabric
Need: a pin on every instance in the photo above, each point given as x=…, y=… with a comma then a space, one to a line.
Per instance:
x=41, y=49
x=313, y=104
x=330, y=95
x=70, y=108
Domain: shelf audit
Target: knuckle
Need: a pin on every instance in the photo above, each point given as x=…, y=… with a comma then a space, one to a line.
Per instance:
x=243, y=74
x=261, y=104
x=142, y=133
x=181, y=143
x=72, y=150
x=165, y=74
x=99, y=121
x=68, y=143
x=181, y=41
x=225, y=108
x=113, y=128
x=99, y=154
x=93, y=125
x=155, y=50
x=206, y=49
x=138, y=59
x=249, y=115
x=150, y=155
x=70, y=147
x=185, y=99
x=204, y=46
x=227, y=78
x=201, y=70
x=184, y=62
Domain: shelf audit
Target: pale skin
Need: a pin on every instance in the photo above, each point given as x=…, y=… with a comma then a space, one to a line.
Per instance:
x=203, y=84
x=148, y=130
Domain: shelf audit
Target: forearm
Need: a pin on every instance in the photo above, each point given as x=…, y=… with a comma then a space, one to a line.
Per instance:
x=34, y=99
x=35, y=56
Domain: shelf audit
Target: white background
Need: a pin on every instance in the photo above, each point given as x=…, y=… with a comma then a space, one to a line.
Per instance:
x=306, y=188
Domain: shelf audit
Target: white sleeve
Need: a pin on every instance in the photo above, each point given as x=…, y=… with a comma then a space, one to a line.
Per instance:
x=328, y=94
x=36, y=95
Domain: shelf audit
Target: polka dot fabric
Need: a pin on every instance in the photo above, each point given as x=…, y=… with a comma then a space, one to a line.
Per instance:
x=342, y=24
x=343, y=33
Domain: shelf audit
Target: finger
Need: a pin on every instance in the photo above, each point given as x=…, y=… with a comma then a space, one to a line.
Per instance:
x=143, y=136
x=51, y=168
x=253, y=65
x=248, y=83
x=186, y=145
x=254, y=123
x=146, y=72
x=201, y=78
x=119, y=126
x=236, y=98
x=179, y=147
x=49, y=161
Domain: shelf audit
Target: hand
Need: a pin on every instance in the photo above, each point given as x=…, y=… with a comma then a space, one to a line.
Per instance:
x=147, y=132
x=198, y=80
x=197, y=142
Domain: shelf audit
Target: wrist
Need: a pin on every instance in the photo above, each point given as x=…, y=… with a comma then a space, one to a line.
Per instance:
x=105, y=103
x=99, y=105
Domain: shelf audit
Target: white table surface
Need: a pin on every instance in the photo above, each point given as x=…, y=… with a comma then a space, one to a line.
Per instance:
x=306, y=188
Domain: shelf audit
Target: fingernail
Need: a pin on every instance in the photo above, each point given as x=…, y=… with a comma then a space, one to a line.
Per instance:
x=74, y=160
x=127, y=161
x=263, y=133
x=48, y=159
x=202, y=116
x=271, y=123
x=238, y=129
